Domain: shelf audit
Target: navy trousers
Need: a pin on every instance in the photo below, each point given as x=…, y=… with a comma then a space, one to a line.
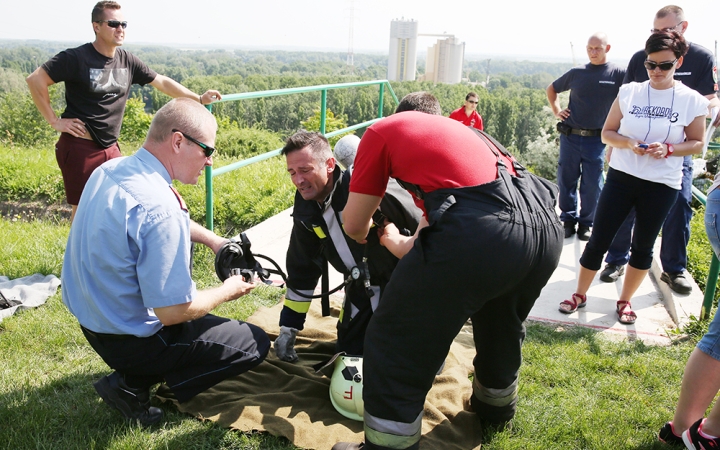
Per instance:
x=581, y=159
x=190, y=357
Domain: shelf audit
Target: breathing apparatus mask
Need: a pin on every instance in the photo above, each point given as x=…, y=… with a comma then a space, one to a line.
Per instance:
x=235, y=258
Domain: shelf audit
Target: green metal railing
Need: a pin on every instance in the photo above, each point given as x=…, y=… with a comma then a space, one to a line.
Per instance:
x=323, y=89
x=712, y=278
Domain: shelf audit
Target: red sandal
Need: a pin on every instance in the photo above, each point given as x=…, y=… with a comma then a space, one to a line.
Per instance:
x=624, y=309
x=575, y=302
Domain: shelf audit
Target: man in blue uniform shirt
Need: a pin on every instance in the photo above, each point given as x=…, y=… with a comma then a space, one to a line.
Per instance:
x=593, y=88
x=126, y=274
x=697, y=72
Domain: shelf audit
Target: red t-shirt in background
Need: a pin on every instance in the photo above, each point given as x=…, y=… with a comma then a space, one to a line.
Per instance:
x=474, y=120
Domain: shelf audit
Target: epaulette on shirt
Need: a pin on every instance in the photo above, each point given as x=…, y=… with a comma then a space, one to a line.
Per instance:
x=183, y=206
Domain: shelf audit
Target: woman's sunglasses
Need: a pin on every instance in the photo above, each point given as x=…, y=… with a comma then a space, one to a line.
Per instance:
x=664, y=66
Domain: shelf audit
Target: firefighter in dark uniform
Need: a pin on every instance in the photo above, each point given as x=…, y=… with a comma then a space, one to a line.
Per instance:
x=488, y=243
x=317, y=236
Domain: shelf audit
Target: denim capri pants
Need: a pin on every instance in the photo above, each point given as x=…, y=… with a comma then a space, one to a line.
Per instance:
x=710, y=342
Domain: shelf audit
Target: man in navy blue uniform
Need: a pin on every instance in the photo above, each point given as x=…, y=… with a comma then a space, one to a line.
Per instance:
x=697, y=72
x=593, y=88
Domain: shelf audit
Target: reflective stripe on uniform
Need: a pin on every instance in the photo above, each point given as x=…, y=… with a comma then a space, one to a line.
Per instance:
x=374, y=302
x=301, y=307
x=495, y=397
x=375, y=299
x=337, y=235
x=391, y=434
x=298, y=303
x=319, y=231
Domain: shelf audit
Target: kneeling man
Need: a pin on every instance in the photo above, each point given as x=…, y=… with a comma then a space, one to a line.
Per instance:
x=126, y=274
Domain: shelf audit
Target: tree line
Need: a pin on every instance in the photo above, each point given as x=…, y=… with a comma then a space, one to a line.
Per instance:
x=513, y=106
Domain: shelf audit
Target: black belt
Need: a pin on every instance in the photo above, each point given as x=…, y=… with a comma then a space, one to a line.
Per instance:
x=585, y=133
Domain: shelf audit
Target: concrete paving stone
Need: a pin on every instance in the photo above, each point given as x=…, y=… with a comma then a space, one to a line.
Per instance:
x=659, y=309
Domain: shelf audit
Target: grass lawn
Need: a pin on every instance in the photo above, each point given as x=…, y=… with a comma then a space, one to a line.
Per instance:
x=577, y=390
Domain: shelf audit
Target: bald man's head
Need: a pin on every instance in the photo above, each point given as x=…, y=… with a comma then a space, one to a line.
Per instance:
x=597, y=48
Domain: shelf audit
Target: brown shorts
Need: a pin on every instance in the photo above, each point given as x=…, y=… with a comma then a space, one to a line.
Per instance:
x=77, y=159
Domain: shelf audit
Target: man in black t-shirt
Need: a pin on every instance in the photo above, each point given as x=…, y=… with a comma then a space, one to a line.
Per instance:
x=698, y=72
x=97, y=77
x=593, y=88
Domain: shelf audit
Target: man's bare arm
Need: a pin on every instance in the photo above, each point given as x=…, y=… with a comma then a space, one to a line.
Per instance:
x=39, y=82
x=174, y=89
x=204, y=301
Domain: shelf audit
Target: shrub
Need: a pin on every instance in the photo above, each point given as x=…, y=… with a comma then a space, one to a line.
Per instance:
x=232, y=141
x=21, y=123
x=136, y=122
x=244, y=197
x=541, y=157
x=332, y=123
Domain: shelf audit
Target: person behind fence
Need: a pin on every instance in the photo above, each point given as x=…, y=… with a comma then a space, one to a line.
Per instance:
x=489, y=241
x=701, y=380
x=98, y=77
x=651, y=126
x=126, y=274
x=467, y=113
x=593, y=87
x=317, y=237
x=700, y=74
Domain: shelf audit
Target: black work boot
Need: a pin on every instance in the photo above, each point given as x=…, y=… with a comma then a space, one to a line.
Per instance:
x=583, y=232
x=348, y=446
x=611, y=273
x=677, y=282
x=569, y=229
x=497, y=417
x=368, y=446
x=133, y=403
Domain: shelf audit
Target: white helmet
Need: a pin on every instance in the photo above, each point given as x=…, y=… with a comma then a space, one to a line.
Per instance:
x=346, y=149
x=346, y=387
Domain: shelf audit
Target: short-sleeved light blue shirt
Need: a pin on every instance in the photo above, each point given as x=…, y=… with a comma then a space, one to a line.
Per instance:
x=128, y=250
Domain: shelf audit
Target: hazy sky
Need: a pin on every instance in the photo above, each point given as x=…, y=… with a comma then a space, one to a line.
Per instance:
x=537, y=29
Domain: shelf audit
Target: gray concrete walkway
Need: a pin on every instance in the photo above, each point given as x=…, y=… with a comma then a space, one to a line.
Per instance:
x=658, y=308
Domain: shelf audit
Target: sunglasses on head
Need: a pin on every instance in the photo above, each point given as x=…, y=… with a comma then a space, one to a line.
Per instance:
x=664, y=66
x=206, y=148
x=113, y=23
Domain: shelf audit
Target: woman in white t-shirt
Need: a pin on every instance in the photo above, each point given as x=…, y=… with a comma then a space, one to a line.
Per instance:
x=650, y=126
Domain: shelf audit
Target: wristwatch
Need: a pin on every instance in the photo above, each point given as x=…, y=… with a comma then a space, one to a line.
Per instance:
x=670, y=151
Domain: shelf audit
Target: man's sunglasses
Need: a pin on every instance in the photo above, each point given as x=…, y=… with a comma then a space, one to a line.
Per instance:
x=473, y=101
x=208, y=150
x=664, y=66
x=666, y=30
x=113, y=23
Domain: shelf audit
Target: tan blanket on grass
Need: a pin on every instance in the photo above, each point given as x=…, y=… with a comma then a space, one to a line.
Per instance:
x=291, y=400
